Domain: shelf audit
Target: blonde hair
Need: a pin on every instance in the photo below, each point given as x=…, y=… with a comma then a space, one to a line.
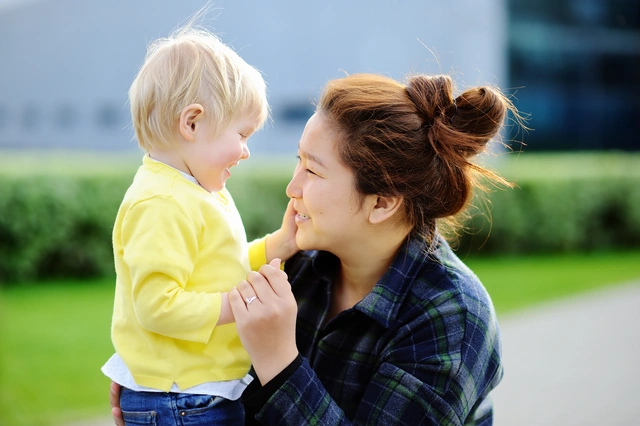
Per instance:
x=191, y=66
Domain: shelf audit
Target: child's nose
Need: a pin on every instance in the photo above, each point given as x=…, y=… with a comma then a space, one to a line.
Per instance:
x=245, y=152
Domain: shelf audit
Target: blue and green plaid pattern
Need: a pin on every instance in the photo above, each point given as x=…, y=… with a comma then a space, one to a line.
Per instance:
x=422, y=348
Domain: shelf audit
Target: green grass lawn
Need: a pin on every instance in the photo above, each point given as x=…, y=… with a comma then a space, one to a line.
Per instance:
x=55, y=336
x=519, y=282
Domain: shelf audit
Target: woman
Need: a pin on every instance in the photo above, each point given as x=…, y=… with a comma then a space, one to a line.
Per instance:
x=390, y=327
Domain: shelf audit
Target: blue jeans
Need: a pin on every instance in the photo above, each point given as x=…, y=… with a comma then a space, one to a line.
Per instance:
x=178, y=409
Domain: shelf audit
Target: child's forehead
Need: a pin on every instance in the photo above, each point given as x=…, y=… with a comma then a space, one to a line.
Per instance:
x=255, y=117
x=253, y=121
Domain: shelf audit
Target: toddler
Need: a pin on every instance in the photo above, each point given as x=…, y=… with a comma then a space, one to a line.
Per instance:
x=178, y=239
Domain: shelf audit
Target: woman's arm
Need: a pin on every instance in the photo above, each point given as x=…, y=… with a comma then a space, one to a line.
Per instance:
x=293, y=402
x=392, y=396
x=435, y=369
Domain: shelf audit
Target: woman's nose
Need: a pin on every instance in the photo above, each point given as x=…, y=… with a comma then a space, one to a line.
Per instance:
x=293, y=188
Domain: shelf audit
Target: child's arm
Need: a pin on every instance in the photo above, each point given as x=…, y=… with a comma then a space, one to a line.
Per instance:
x=226, y=316
x=158, y=250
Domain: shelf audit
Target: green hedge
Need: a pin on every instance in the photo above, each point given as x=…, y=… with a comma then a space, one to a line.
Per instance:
x=569, y=215
x=562, y=202
x=57, y=223
x=57, y=226
x=60, y=226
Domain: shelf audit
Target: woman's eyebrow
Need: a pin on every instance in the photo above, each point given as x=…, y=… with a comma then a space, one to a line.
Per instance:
x=313, y=158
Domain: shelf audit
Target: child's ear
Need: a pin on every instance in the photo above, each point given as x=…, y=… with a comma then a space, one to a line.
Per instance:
x=189, y=119
x=382, y=208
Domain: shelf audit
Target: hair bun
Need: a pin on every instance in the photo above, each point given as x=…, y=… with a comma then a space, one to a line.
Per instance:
x=480, y=114
x=432, y=96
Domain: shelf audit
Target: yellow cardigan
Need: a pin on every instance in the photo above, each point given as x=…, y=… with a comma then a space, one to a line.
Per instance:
x=177, y=247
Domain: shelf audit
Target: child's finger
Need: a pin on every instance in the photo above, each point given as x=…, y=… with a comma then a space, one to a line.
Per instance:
x=275, y=263
x=290, y=211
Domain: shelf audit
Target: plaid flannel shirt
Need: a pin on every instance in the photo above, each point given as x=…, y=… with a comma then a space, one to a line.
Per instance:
x=422, y=348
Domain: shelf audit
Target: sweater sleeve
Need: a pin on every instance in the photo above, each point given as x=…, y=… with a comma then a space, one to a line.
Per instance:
x=256, y=395
x=160, y=250
x=258, y=253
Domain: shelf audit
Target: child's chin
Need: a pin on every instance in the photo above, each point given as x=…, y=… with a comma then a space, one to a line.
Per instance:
x=214, y=188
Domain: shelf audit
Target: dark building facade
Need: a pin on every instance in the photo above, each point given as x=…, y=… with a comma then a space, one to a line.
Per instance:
x=574, y=66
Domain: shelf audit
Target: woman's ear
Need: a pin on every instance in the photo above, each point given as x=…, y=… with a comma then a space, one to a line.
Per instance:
x=384, y=208
x=189, y=119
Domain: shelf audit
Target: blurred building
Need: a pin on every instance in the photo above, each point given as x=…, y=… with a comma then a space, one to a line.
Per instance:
x=574, y=65
x=578, y=64
x=66, y=65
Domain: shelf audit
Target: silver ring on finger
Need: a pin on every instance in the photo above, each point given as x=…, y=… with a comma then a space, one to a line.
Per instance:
x=249, y=300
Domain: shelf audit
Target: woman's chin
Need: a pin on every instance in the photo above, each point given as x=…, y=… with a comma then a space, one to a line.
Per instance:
x=302, y=242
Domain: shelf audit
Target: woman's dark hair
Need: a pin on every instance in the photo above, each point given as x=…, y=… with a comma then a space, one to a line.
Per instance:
x=415, y=141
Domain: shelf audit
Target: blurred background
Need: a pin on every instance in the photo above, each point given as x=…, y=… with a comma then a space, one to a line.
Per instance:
x=68, y=64
x=564, y=242
x=574, y=64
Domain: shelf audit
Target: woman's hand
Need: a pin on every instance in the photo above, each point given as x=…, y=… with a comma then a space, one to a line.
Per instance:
x=265, y=312
x=114, y=400
x=281, y=244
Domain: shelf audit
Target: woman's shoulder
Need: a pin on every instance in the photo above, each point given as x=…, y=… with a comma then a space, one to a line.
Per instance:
x=445, y=296
x=445, y=278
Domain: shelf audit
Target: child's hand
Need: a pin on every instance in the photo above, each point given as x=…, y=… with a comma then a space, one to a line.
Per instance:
x=282, y=243
x=288, y=230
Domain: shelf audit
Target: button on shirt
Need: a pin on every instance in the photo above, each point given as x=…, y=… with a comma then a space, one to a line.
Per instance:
x=422, y=348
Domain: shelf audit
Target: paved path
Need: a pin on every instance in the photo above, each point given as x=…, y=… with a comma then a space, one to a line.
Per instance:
x=572, y=362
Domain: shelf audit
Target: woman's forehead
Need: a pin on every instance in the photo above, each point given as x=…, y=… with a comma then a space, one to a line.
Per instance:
x=318, y=141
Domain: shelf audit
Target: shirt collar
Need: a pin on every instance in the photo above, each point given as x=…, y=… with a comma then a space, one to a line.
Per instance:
x=385, y=299
x=383, y=302
x=148, y=160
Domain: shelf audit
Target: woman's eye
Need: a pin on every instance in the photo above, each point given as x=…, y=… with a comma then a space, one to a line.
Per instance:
x=305, y=169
